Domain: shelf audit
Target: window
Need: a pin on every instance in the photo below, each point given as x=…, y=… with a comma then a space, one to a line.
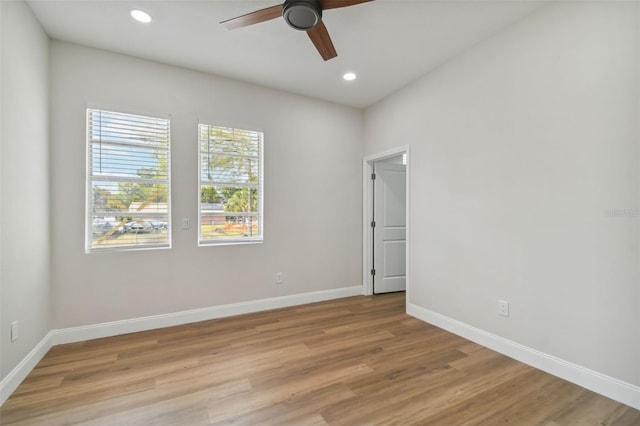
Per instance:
x=230, y=185
x=128, y=181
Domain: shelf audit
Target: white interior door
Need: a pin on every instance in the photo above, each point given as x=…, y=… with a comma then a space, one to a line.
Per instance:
x=389, y=233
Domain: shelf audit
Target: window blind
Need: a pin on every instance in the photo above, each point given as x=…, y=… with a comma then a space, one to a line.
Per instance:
x=231, y=187
x=128, y=181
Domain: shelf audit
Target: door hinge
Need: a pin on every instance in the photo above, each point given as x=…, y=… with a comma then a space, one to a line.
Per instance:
x=373, y=176
x=373, y=272
x=373, y=224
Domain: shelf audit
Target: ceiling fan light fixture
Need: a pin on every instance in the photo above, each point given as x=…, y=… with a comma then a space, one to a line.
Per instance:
x=302, y=15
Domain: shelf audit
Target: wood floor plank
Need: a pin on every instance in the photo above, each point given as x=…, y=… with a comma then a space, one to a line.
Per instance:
x=353, y=361
x=487, y=403
x=535, y=407
x=297, y=409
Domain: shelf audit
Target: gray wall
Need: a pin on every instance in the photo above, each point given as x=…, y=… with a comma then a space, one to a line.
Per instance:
x=313, y=193
x=24, y=215
x=524, y=184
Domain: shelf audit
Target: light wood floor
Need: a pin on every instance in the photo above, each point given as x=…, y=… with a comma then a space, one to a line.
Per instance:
x=356, y=361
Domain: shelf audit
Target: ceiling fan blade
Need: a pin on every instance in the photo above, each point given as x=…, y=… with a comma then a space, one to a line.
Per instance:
x=321, y=40
x=334, y=4
x=254, y=17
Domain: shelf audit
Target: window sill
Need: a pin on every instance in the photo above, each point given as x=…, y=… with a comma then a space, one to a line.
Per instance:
x=228, y=243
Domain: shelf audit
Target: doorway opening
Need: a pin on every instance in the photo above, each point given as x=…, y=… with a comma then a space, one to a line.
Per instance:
x=386, y=221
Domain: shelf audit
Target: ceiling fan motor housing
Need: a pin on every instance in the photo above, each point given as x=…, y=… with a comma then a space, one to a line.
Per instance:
x=302, y=15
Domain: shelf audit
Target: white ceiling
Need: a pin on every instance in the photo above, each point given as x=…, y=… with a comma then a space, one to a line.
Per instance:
x=388, y=43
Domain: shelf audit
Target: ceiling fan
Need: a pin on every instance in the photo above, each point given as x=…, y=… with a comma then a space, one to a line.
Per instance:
x=302, y=15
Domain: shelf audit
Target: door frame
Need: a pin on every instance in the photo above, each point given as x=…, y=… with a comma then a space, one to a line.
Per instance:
x=367, y=215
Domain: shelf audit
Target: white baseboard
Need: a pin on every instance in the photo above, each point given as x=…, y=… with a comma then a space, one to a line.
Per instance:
x=610, y=387
x=11, y=382
x=115, y=328
x=77, y=334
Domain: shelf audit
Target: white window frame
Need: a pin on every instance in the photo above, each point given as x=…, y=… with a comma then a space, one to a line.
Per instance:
x=203, y=242
x=91, y=178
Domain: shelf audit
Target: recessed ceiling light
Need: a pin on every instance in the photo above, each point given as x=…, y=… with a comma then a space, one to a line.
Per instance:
x=349, y=76
x=141, y=16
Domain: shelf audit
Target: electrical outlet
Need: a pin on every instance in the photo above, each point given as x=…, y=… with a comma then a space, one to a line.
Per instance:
x=14, y=331
x=279, y=278
x=503, y=308
x=186, y=223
